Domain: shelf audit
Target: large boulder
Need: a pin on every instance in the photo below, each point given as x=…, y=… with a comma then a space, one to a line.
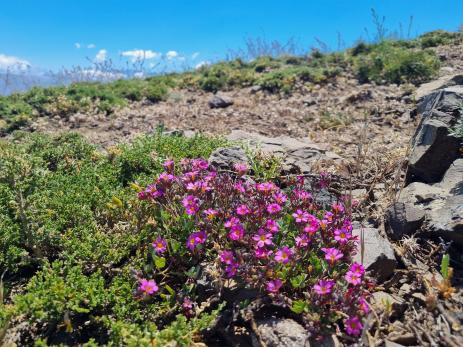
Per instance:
x=434, y=148
x=433, y=197
x=298, y=155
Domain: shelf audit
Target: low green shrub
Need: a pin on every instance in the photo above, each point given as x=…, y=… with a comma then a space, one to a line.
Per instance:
x=387, y=63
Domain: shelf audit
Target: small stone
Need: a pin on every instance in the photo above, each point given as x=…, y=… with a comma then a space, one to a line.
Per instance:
x=220, y=102
x=281, y=332
x=385, y=300
x=309, y=101
x=255, y=89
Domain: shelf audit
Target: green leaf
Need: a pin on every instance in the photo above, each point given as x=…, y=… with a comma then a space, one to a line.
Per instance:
x=160, y=262
x=298, y=306
x=444, y=266
x=169, y=289
x=298, y=281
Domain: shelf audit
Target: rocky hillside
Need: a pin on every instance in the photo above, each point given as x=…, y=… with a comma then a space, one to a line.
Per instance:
x=355, y=157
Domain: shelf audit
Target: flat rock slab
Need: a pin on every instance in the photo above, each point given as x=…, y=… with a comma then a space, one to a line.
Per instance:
x=295, y=153
x=443, y=82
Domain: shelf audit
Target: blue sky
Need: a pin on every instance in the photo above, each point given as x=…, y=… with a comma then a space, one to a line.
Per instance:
x=47, y=33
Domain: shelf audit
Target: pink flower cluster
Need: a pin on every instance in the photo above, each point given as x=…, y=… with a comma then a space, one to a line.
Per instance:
x=282, y=242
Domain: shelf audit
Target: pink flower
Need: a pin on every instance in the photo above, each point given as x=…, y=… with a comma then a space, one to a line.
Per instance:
x=353, y=278
x=364, y=305
x=272, y=226
x=191, y=242
x=236, y=232
x=266, y=187
x=190, y=176
x=187, y=304
x=239, y=187
x=312, y=225
x=142, y=195
x=240, y=168
x=160, y=245
x=210, y=213
x=280, y=198
x=154, y=191
x=227, y=257
x=328, y=217
x=283, y=255
x=200, y=237
x=301, y=216
x=243, y=210
x=166, y=178
x=169, y=165
x=341, y=235
x=191, y=204
x=323, y=287
x=337, y=208
x=302, y=195
x=332, y=254
x=273, y=208
x=231, y=222
x=200, y=164
x=231, y=269
x=357, y=268
x=274, y=286
x=148, y=286
x=263, y=239
x=353, y=326
x=302, y=241
x=261, y=253
x=195, y=239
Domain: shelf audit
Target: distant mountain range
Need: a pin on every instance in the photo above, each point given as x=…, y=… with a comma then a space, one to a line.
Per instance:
x=19, y=82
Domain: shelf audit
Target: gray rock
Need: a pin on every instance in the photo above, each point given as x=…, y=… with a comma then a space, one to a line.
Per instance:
x=433, y=147
x=421, y=193
x=384, y=300
x=226, y=158
x=403, y=219
x=254, y=89
x=220, y=102
x=378, y=256
x=281, y=332
x=448, y=220
x=309, y=101
x=452, y=182
x=296, y=154
x=443, y=82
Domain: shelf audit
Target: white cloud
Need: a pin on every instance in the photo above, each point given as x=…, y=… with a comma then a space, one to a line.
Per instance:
x=171, y=54
x=8, y=61
x=201, y=64
x=140, y=54
x=101, y=55
x=195, y=55
x=92, y=45
x=77, y=45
